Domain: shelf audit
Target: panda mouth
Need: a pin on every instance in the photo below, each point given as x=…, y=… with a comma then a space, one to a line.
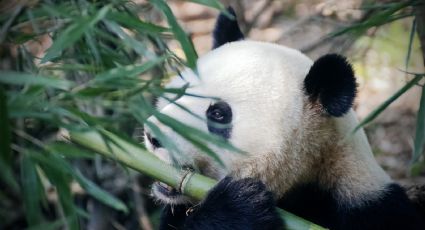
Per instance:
x=167, y=194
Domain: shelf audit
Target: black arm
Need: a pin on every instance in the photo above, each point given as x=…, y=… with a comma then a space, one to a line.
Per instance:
x=231, y=204
x=173, y=217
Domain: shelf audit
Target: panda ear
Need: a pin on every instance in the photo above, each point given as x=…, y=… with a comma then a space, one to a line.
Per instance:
x=226, y=29
x=331, y=81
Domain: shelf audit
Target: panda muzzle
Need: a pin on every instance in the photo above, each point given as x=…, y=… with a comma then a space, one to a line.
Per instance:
x=166, y=189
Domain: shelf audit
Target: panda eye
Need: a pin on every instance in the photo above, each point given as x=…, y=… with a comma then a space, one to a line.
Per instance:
x=217, y=115
x=219, y=112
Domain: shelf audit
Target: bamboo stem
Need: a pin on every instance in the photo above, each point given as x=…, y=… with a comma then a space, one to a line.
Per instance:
x=137, y=158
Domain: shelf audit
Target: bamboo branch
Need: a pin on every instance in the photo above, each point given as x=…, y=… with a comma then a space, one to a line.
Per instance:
x=136, y=157
x=420, y=28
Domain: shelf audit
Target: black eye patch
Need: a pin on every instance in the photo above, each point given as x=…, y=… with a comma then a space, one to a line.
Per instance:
x=219, y=117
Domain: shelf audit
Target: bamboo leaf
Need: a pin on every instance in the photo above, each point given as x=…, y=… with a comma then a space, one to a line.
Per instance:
x=191, y=134
x=419, y=143
x=54, y=225
x=129, y=71
x=99, y=193
x=5, y=140
x=55, y=163
x=134, y=44
x=6, y=173
x=62, y=184
x=181, y=36
x=136, y=24
x=73, y=33
x=17, y=78
x=31, y=191
x=141, y=110
x=56, y=10
x=195, y=133
x=371, y=116
x=409, y=48
x=68, y=150
x=90, y=41
x=387, y=14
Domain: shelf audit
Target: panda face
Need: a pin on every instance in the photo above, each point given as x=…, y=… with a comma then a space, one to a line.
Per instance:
x=251, y=95
x=270, y=101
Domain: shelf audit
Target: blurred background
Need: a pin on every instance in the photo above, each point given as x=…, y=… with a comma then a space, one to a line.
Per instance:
x=86, y=48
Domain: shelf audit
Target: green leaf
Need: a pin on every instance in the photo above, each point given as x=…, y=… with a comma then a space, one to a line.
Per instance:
x=419, y=144
x=5, y=140
x=68, y=150
x=17, y=78
x=416, y=168
x=6, y=175
x=135, y=23
x=91, y=43
x=31, y=188
x=371, y=116
x=387, y=14
x=73, y=33
x=191, y=134
x=98, y=193
x=58, y=164
x=53, y=225
x=57, y=10
x=181, y=36
x=129, y=71
x=66, y=200
x=409, y=48
x=128, y=40
x=164, y=140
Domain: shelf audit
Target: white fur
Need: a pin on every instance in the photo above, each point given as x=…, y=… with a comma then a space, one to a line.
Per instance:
x=273, y=122
x=175, y=200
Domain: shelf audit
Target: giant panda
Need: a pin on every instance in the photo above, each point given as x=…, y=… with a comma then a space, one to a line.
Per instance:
x=292, y=117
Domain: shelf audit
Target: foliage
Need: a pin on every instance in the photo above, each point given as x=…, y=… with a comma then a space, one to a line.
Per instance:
x=378, y=15
x=106, y=62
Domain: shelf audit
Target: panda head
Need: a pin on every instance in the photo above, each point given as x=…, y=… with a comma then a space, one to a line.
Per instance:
x=254, y=95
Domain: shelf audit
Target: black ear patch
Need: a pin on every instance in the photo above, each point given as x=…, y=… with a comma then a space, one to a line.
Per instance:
x=331, y=80
x=226, y=29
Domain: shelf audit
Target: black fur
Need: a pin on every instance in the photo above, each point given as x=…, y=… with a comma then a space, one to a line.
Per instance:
x=331, y=80
x=392, y=211
x=219, y=117
x=173, y=217
x=226, y=29
x=231, y=204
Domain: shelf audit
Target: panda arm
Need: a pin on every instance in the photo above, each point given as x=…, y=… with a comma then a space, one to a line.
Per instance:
x=392, y=210
x=236, y=204
x=173, y=217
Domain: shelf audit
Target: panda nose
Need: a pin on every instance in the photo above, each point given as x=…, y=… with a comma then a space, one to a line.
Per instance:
x=155, y=142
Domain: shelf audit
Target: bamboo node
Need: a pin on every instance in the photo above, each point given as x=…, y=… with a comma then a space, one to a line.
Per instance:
x=185, y=178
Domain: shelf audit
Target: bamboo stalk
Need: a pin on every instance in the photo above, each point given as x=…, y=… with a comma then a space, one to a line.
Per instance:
x=196, y=186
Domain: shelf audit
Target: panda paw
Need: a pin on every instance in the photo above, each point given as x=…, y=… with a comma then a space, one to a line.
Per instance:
x=236, y=204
